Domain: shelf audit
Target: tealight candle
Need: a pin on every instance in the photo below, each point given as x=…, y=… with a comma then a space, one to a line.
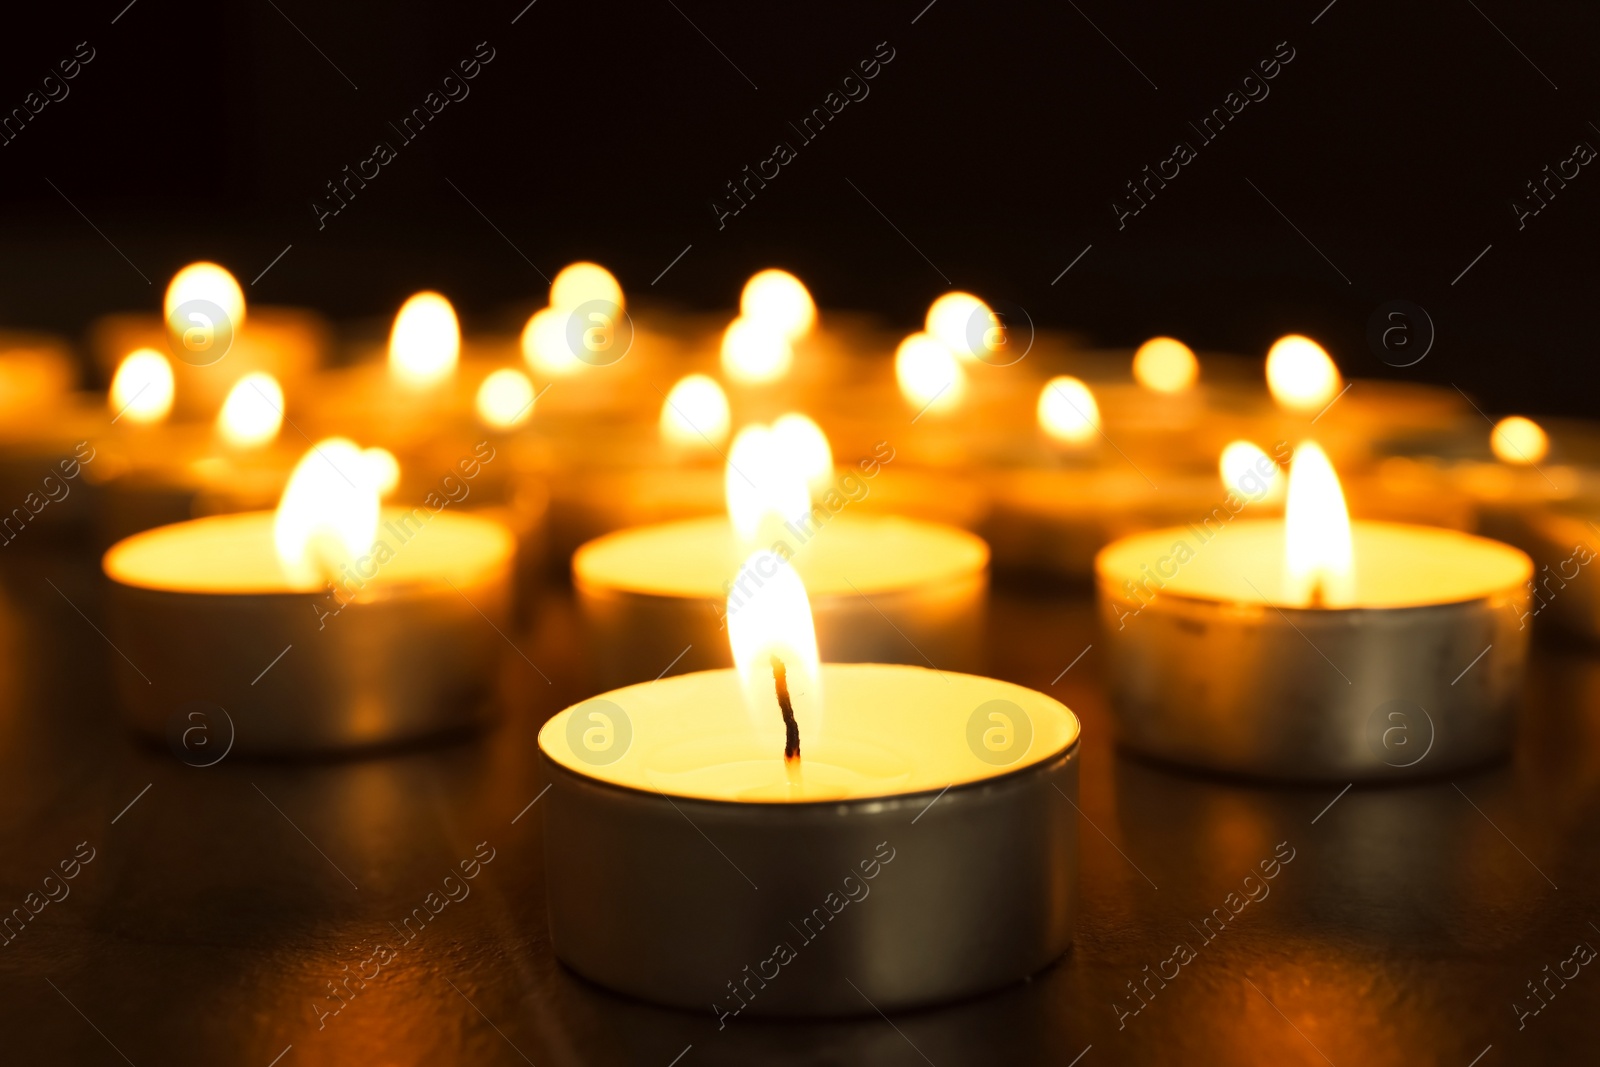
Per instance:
x=885, y=588
x=330, y=624
x=47, y=432
x=704, y=832
x=216, y=338
x=157, y=475
x=1312, y=647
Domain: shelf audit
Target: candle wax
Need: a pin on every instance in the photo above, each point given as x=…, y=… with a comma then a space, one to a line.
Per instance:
x=849, y=555
x=233, y=554
x=1395, y=566
x=886, y=730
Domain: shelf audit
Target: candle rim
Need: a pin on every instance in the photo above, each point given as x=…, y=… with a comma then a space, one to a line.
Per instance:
x=1106, y=579
x=973, y=562
x=500, y=542
x=555, y=726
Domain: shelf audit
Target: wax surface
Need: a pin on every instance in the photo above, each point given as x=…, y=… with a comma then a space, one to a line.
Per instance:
x=850, y=554
x=1395, y=565
x=885, y=730
x=235, y=553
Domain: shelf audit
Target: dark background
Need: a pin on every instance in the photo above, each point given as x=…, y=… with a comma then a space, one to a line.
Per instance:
x=995, y=142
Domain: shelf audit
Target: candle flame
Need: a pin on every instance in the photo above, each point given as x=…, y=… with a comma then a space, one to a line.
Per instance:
x=1165, y=365
x=1068, y=412
x=1300, y=374
x=425, y=343
x=763, y=486
x=803, y=444
x=755, y=351
x=769, y=617
x=695, y=413
x=252, y=414
x=580, y=283
x=779, y=300
x=930, y=378
x=1515, y=439
x=328, y=515
x=505, y=399
x=208, y=282
x=544, y=344
x=1319, y=563
x=142, y=388
x=1248, y=471
x=961, y=322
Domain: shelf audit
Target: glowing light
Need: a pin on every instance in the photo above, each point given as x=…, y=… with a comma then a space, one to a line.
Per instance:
x=1318, y=562
x=579, y=283
x=1068, y=412
x=1165, y=365
x=544, y=345
x=755, y=352
x=1251, y=473
x=142, y=388
x=695, y=413
x=779, y=300
x=252, y=414
x=769, y=615
x=1519, y=440
x=328, y=514
x=804, y=446
x=929, y=376
x=762, y=487
x=1300, y=374
x=382, y=470
x=209, y=282
x=955, y=318
x=425, y=344
x=505, y=399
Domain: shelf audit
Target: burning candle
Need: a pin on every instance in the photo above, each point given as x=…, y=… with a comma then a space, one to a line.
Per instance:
x=818, y=784
x=1083, y=489
x=1313, y=647
x=329, y=624
x=885, y=588
x=214, y=338
x=47, y=432
x=161, y=474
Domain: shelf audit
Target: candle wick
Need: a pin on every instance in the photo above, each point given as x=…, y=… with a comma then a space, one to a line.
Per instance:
x=791, y=729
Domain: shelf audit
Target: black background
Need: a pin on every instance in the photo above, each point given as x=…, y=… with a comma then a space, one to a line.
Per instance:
x=994, y=142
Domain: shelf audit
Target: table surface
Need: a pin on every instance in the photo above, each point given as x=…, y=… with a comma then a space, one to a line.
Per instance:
x=220, y=902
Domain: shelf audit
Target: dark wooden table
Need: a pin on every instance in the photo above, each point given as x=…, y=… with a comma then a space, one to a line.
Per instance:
x=221, y=902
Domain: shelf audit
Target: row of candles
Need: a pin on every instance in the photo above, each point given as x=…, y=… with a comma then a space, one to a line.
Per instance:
x=1251, y=626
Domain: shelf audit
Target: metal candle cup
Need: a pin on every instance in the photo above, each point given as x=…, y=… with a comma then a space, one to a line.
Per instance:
x=201, y=611
x=915, y=865
x=1211, y=666
x=885, y=588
